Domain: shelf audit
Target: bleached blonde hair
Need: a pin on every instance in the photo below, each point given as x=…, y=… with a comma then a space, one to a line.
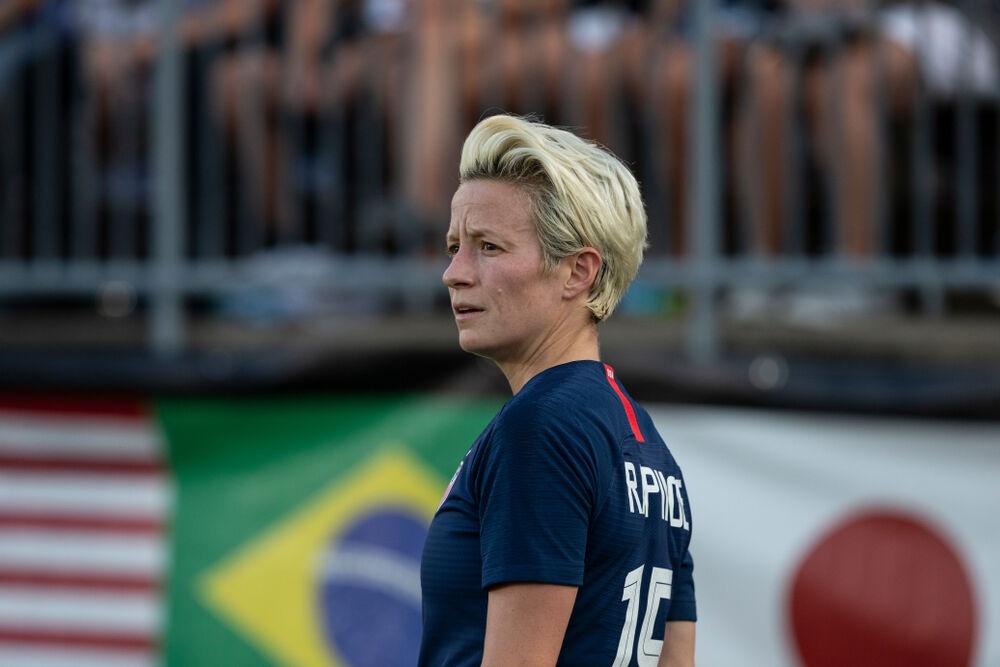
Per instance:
x=582, y=196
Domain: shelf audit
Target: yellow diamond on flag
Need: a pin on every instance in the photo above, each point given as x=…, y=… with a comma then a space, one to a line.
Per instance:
x=337, y=582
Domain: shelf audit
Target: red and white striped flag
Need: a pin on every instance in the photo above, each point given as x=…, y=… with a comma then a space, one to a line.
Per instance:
x=84, y=500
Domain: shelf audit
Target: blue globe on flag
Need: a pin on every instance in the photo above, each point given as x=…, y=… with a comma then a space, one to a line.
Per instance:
x=369, y=589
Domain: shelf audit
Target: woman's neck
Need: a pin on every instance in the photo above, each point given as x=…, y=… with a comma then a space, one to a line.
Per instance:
x=582, y=346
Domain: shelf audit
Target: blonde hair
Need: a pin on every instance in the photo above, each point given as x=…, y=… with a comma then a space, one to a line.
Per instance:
x=582, y=196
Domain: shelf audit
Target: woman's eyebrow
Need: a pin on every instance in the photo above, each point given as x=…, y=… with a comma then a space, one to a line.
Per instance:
x=476, y=232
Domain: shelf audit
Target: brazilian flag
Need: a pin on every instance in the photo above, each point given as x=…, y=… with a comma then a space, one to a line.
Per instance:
x=299, y=523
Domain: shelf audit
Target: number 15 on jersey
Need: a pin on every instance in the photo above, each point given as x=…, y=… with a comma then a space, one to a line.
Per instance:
x=647, y=651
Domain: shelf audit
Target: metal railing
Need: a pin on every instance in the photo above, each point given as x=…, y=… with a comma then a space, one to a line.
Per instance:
x=182, y=195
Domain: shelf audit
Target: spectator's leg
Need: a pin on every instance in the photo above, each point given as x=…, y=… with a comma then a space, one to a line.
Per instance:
x=850, y=145
x=554, y=49
x=764, y=129
x=595, y=85
x=677, y=69
x=391, y=83
x=475, y=76
x=103, y=65
x=246, y=87
x=658, y=79
x=434, y=132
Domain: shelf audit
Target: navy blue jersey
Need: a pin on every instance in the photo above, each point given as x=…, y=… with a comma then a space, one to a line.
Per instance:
x=569, y=484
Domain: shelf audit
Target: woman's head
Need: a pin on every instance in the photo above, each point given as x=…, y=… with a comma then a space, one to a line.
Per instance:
x=582, y=196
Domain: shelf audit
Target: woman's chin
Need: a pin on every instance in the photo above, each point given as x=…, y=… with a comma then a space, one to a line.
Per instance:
x=470, y=342
x=473, y=343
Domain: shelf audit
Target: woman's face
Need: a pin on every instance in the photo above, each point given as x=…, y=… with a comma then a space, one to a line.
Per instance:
x=504, y=304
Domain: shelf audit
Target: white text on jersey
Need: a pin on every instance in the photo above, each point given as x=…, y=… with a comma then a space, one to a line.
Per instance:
x=650, y=481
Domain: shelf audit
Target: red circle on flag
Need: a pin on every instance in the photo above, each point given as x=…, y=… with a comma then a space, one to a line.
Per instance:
x=883, y=588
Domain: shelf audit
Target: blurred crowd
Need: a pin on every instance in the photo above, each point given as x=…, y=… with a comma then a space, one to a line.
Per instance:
x=402, y=81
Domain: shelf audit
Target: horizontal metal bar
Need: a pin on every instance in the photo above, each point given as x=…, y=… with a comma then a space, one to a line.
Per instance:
x=379, y=274
x=959, y=272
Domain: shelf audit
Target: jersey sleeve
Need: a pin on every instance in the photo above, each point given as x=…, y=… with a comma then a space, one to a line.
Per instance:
x=537, y=488
x=682, y=604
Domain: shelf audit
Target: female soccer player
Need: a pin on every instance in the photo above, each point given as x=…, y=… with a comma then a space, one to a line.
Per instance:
x=563, y=538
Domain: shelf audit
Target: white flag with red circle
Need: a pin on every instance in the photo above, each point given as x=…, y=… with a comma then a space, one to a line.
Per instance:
x=826, y=540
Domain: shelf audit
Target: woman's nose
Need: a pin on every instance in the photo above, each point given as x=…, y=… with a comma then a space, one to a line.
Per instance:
x=459, y=271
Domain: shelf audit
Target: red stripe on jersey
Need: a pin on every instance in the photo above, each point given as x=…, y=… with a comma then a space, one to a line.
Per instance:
x=629, y=412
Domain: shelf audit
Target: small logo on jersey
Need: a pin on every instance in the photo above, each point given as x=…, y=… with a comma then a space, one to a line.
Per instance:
x=647, y=485
x=451, y=483
x=611, y=372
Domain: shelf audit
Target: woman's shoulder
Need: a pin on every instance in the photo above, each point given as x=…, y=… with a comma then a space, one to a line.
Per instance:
x=566, y=399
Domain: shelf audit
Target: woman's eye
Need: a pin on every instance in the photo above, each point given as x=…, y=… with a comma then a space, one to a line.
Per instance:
x=490, y=247
x=452, y=250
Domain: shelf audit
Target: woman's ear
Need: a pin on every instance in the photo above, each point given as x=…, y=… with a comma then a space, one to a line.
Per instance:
x=583, y=265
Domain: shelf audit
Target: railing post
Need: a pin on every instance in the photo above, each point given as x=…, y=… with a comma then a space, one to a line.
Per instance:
x=703, y=341
x=167, y=314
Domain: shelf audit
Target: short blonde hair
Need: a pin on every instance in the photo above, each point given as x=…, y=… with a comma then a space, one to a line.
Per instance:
x=582, y=196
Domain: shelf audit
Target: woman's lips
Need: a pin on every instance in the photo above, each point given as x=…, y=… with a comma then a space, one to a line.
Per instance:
x=463, y=312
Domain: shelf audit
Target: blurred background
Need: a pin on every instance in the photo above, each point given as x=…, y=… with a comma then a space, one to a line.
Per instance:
x=230, y=390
